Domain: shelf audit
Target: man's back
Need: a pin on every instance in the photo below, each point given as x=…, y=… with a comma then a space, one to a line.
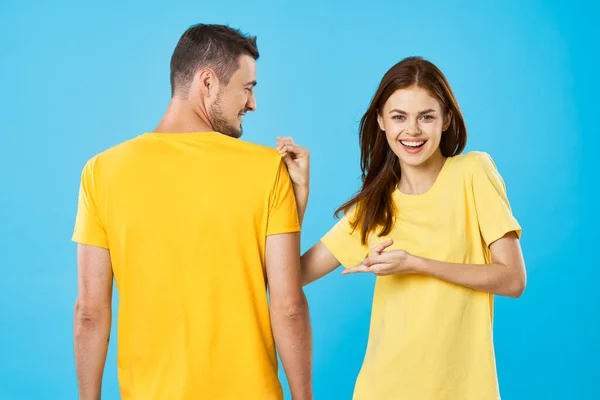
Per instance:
x=185, y=217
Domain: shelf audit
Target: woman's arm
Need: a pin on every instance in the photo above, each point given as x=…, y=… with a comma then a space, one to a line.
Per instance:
x=505, y=276
x=316, y=263
x=297, y=161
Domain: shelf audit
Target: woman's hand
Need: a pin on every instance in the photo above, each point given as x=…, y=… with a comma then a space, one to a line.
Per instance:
x=297, y=160
x=383, y=263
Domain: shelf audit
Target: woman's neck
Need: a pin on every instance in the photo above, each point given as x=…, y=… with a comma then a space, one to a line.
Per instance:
x=415, y=180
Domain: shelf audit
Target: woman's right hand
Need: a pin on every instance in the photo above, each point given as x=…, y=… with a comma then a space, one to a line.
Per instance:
x=297, y=160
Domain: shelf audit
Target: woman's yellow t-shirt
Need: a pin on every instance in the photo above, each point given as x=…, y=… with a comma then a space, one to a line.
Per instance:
x=431, y=339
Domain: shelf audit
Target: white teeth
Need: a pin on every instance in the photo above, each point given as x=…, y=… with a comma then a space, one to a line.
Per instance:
x=412, y=144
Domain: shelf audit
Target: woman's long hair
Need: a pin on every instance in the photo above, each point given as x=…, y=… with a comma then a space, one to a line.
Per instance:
x=379, y=165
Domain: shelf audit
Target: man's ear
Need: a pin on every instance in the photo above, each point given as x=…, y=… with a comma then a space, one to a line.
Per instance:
x=208, y=82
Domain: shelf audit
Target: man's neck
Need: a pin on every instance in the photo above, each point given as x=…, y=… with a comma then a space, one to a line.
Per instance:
x=182, y=117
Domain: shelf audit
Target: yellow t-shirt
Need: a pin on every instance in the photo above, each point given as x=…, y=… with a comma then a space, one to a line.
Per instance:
x=429, y=339
x=185, y=217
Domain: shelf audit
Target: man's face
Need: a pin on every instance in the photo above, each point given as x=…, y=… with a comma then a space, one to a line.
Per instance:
x=235, y=99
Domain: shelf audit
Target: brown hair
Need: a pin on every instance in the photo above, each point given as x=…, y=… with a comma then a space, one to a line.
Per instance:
x=379, y=165
x=214, y=46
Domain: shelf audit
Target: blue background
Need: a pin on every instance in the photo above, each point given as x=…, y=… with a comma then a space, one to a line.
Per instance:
x=77, y=78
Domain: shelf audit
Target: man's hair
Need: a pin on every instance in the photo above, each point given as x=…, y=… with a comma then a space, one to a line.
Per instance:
x=217, y=47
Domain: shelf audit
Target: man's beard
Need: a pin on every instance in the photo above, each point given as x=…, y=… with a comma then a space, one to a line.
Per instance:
x=219, y=122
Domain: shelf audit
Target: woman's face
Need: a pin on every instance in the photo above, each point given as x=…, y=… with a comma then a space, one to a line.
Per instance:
x=413, y=122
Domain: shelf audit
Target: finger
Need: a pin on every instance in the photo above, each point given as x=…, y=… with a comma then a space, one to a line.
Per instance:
x=382, y=246
x=295, y=150
x=282, y=142
x=386, y=269
x=357, y=269
x=376, y=269
x=287, y=159
x=285, y=139
x=370, y=260
x=380, y=269
x=382, y=258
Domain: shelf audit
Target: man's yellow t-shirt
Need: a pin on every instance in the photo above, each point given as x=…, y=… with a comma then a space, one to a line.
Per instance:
x=185, y=217
x=429, y=339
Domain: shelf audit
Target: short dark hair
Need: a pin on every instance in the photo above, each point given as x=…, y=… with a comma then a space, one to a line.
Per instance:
x=214, y=46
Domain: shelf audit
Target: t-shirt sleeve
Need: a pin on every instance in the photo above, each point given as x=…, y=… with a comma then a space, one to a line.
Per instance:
x=283, y=214
x=89, y=228
x=344, y=243
x=494, y=213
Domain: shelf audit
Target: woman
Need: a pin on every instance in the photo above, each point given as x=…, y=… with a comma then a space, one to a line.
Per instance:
x=443, y=241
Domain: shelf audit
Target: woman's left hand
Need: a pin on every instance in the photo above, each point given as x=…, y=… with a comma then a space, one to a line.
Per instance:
x=383, y=263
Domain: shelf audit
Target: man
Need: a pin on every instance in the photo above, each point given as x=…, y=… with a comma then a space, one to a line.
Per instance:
x=194, y=224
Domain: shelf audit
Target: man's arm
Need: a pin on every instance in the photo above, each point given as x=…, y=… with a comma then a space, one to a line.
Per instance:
x=92, y=318
x=289, y=312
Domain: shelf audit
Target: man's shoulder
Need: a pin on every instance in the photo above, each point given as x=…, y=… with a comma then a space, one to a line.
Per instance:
x=112, y=153
x=259, y=155
x=259, y=150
